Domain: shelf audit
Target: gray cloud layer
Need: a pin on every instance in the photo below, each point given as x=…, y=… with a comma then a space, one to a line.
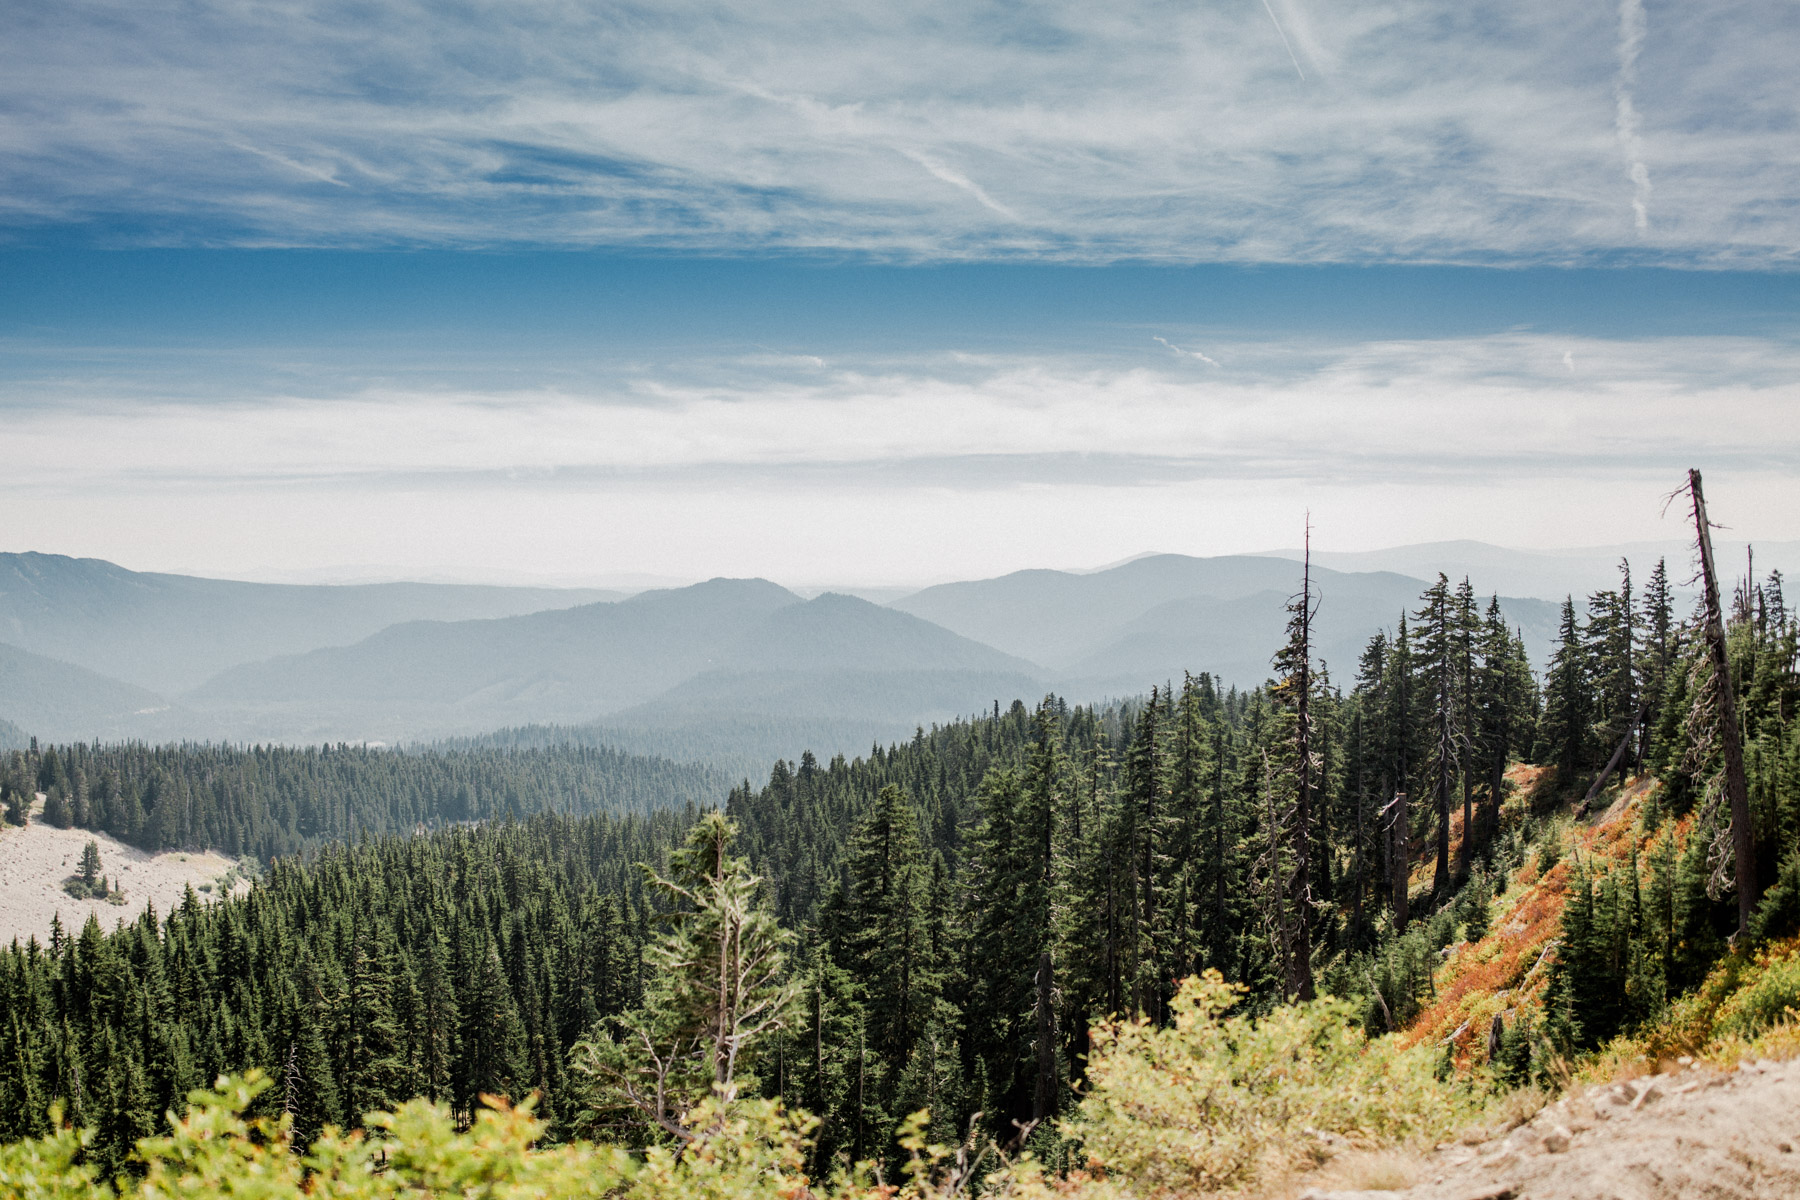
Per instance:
x=1291, y=130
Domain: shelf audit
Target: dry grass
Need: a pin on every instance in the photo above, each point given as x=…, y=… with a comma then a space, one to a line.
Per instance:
x=1509, y=966
x=1354, y=1170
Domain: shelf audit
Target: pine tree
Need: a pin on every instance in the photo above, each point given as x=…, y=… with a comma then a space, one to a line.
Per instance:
x=1563, y=734
x=1466, y=631
x=717, y=990
x=57, y=811
x=883, y=939
x=491, y=1062
x=15, y=791
x=1437, y=664
x=1657, y=619
x=90, y=867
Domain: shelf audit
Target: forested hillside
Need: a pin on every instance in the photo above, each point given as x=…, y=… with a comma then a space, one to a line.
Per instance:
x=963, y=908
x=48, y=693
x=443, y=966
x=271, y=800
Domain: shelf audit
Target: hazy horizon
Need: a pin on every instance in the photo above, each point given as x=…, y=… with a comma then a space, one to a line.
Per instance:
x=1399, y=559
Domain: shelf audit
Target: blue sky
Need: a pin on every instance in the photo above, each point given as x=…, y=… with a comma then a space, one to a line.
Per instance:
x=582, y=291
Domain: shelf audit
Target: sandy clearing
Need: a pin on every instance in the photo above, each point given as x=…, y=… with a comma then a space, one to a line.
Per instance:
x=35, y=860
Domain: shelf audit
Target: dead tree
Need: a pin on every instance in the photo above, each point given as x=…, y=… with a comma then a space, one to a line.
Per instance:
x=1399, y=858
x=1294, y=690
x=1043, y=1103
x=1362, y=803
x=1743, y=837
x=1275, y=892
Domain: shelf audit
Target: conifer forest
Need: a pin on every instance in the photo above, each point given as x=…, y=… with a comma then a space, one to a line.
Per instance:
x=940, y=924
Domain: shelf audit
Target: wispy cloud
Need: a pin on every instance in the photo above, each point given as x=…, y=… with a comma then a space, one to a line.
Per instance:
x=1632, y=27
x=1064, y=130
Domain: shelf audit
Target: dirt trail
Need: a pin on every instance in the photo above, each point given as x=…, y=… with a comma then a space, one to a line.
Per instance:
x=1694, y=1132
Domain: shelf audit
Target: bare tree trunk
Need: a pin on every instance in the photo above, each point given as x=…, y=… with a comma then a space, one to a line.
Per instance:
x=1612, y=764
x=1043, y=1103
x=1277, y=886
x=1218, y=802
x=1496, y=786
x=1301, y=967
x=1467, y=848
x=1440, y=882
x=859, y=1093
x=1362, y=802
x=1743, y=838
x=1399, y=860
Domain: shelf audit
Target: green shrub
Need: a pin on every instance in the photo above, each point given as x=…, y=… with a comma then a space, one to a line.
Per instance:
x=215, y=1151
x=1767, y=989
x=1205, y=1105
x=1213, y=1102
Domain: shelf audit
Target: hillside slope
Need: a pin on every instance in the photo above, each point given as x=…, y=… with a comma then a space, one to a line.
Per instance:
x=1696, y=1131
x=168, y=633
x=721, y=649
x=35, y=861
x=54, y=699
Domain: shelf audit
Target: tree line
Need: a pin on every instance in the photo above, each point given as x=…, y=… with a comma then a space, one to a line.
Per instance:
x=270, y=801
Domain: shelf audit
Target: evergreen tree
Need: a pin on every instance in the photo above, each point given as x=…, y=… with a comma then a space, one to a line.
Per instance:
x=90, y=866
x=717, y=990
x=1437, y=664
x=1564, y=733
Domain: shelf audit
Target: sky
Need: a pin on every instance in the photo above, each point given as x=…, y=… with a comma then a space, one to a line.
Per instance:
x=572, y=292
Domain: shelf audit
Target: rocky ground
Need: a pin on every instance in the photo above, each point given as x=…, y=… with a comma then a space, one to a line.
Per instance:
x=1696, y=1131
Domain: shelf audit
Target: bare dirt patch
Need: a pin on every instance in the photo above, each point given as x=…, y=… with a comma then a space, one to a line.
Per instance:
x=1700, y=1131
x=35, y=861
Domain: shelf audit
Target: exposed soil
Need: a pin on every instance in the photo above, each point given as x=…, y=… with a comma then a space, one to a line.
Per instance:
x=35, y=861
x=1694, y=1132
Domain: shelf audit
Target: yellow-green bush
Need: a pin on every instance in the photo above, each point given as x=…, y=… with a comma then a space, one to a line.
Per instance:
x=1202, y=1106
x=215, y=1153
x=1213, y=1101
x=1768, y=988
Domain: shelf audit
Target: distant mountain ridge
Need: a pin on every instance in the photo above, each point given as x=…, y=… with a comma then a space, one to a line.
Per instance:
x=564, y=665
x=729, y=670
x=714, y=650
x=169, y=633
x=1553, y=574
x=1119, y=630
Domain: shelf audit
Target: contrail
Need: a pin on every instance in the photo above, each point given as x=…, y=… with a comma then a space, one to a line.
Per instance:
x=1184, y=353
x=1282, y=34
x=957, y=179
x=1625, y=120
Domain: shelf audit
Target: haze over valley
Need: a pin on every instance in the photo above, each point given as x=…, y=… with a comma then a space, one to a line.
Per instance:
x=94, y=651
